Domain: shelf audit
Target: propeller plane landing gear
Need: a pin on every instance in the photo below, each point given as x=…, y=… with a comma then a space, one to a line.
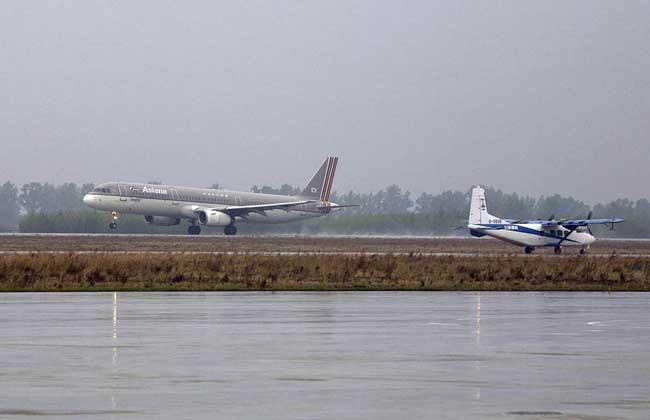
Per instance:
x=558, y=250
x=115, y=217
x=230, y=230
x=529, y=250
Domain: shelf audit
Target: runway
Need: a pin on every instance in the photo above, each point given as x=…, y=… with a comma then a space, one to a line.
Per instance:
x=84, y=263
x=326, y=253
x=297, y=245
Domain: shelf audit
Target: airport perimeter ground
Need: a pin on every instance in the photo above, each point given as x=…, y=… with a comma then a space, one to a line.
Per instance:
x=121, y=262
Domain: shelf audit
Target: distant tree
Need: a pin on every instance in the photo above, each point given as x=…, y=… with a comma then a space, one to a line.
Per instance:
x=32, y=196
x=560, y=207
x=215, y=186
x=47, y=198
x=86, y=188
x=446, y=202
x=286, y=189
x=66, y=197
x=9, y=206
x=59, y=208
x=509, y=205
x=392, y=201
x=155, y=182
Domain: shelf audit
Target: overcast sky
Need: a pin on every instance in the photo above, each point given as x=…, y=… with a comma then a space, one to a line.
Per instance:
x=533, y=97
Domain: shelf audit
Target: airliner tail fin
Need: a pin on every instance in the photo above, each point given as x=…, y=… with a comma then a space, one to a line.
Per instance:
x=320, y=185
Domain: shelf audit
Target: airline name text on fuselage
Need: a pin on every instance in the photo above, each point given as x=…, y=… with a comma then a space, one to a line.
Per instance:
x=152, y=190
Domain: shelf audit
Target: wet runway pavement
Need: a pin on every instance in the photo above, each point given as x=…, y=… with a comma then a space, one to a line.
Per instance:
x=316, y=253
x=290, y=245
x=325, y=355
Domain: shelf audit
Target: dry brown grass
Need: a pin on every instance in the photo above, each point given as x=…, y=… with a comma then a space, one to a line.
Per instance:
x=53, y=272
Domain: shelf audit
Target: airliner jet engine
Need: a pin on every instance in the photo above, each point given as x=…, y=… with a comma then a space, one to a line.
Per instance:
x=162, y=220
x=214, y=218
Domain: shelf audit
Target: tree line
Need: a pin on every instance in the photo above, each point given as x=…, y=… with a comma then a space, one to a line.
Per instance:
x=44, y=207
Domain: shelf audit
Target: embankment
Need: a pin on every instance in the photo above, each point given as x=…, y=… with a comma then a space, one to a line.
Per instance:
x=95, y=272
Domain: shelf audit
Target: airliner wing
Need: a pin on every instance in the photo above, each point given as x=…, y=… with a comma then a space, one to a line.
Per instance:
x=339, y=206
x=260, y=208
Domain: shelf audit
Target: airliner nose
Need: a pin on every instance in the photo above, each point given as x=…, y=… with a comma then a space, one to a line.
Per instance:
x=87, y=199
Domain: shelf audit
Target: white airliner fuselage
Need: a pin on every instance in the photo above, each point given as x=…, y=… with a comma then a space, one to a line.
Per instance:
x=167, y=205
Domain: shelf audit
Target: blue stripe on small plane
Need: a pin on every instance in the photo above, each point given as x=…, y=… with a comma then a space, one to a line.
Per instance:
x=524, y=229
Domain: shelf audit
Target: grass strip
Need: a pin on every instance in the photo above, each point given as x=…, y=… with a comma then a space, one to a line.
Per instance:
x=247, y=272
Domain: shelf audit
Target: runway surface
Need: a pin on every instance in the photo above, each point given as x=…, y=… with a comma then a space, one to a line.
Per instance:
x=293, y=245
x=342, y=253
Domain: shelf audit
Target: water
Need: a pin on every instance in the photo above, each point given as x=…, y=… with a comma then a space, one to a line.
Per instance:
x=325, y=355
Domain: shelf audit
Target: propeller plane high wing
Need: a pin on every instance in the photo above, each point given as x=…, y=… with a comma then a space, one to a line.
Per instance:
x=581, y=222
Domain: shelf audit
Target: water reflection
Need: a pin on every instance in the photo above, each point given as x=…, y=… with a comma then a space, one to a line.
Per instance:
x=373, y=363
x=478, y=319
x=114, y=341
x=114, y=315
x=478, y=342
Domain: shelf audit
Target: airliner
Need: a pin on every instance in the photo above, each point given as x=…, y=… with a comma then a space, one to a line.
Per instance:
x=167, y=205
x=531, y=234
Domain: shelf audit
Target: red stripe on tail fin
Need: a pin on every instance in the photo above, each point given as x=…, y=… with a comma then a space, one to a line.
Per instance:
x=330, y=180
x=328, y=170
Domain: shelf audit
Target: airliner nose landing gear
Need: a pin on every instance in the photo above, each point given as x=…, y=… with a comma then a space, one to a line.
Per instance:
x=230, y=230
x=113, y=224
x=529, y=250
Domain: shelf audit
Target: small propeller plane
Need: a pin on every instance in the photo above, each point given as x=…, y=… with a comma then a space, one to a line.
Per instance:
x=531, y=234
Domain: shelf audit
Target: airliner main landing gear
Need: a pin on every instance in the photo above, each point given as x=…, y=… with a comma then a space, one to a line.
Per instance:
x=194, y=229
x=558, y=250
x=230, y=230
x=529, y=249
x=113, y=224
